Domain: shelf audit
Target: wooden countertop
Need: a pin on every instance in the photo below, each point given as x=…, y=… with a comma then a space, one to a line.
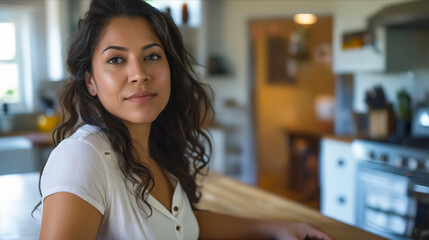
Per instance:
x=39, y=139
x=228, y=196
x=347, y=139
x=305, y=131
x=320, y=134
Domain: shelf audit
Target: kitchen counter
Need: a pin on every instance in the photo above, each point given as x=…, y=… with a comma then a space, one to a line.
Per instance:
x=24, y=151
x=225, y=195
x=38, y=139
x=347, y=139
x=220, y=194
x=319, y=133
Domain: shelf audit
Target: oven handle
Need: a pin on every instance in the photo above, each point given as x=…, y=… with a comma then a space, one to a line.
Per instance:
x=420, y=189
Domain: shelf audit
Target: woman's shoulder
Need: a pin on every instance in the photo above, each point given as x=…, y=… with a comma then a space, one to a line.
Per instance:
x=86, y=147
x=87, y=132
x=78, y=165
x=84, y=131
x=86, y=135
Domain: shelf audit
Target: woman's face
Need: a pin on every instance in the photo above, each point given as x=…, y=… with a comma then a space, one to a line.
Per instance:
x=131, y=75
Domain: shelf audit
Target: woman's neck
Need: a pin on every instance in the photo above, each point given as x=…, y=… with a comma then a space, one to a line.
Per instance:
x=140, y=139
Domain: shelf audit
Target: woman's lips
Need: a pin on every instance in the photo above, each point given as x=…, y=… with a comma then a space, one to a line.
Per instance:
x=141, y=97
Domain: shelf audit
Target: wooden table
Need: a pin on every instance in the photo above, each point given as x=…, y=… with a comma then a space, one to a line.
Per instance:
x=221, y=194
x=228, y=196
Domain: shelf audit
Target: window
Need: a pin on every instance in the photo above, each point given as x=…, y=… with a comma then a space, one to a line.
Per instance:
x=16, y=73
x=9, y=68
x=22, y=54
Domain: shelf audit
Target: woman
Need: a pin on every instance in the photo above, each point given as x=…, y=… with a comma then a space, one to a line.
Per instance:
x=129, y=146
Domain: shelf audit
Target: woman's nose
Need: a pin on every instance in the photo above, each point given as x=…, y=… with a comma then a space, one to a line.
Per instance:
x=136, y=72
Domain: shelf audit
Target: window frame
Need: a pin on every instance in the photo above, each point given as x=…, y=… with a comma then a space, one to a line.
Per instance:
x=18, y=19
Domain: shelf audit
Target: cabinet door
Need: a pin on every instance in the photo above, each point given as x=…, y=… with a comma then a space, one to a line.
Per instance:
x=338, y=180
x=16, y=156
x=217, y=162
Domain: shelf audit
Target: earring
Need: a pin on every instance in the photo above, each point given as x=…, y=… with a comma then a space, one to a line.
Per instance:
x=92, y=92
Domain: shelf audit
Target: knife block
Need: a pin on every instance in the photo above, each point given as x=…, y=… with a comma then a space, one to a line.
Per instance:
x=382, y=122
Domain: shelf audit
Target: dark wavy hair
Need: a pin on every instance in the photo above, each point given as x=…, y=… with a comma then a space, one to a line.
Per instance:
x=177, y=137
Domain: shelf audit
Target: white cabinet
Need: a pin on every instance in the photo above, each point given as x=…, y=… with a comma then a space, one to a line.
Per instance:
x=217, y=162
x=16, y=155
x=338, y=180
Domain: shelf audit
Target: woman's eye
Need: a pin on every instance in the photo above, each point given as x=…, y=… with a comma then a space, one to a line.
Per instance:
x=152, y=57
x=115, y=60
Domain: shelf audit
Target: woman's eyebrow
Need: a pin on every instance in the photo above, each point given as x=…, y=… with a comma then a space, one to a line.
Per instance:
x=126, y=49
x=115, y=47
x=150, y=45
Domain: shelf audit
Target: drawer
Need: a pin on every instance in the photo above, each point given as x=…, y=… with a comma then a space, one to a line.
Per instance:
x=339, y=204
x=337, y=163
x=338, y=180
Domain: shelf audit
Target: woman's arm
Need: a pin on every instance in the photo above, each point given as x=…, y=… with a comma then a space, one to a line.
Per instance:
x=221, y=226
x=67, y=216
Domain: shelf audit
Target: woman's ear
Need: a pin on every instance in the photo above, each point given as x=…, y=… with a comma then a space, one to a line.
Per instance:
x=90, y=84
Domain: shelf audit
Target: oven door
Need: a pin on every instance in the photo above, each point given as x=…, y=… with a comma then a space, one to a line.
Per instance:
x=419, y=190
x=384, y=206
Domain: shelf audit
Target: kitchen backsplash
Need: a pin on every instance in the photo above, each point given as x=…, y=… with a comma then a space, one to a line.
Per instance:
x=421, y=88
x=416, y=83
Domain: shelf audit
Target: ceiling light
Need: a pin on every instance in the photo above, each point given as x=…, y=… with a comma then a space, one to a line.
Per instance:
x=305, y=18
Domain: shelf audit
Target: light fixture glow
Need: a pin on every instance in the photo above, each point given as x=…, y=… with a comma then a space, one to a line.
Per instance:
x=424, y=119
x=305, y=18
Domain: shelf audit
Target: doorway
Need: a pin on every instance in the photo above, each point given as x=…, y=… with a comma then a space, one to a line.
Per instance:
x=291, y=71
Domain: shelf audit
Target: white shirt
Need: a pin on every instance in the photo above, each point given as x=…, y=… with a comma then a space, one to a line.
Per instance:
x=85, y=165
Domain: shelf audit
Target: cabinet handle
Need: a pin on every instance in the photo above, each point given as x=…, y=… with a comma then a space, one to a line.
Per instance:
x=341, y=162
x=341, y=200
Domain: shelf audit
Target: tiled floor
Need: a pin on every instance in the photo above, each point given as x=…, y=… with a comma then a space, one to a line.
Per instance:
x=18, y=195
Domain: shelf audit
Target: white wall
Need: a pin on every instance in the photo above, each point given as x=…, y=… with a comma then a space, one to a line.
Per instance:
x=391, y=84
x=416, y=83
x=58, y=34
x=421, y=88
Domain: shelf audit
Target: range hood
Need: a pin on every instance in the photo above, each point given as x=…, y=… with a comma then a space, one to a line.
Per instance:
x=405, y=42
x=412, y=14
x=395, y=39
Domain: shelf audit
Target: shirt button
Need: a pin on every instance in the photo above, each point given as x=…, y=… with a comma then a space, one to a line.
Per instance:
x=176, y=208
x=177, y=228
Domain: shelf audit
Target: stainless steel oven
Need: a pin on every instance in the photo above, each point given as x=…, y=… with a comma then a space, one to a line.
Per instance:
x=393, y=189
